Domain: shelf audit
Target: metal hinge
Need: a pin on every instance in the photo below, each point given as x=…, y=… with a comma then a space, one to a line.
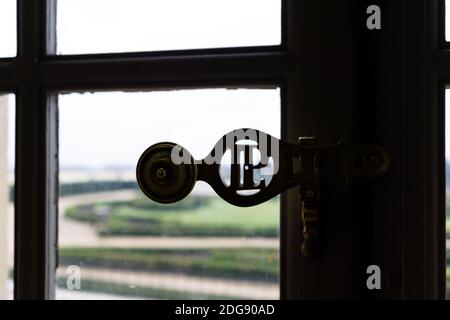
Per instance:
x=331, y=167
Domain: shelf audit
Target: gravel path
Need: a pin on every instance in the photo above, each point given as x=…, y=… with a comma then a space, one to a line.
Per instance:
x=75, y=233
x=184, y=283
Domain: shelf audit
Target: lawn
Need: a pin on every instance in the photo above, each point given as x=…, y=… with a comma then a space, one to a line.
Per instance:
x=249, y=264
x=448, y=277
x=447, y=222
x=205, y=217
x=195, y=217
x=447, y=227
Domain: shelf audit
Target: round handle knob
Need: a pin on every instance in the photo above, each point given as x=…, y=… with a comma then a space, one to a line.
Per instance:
x=160, y=178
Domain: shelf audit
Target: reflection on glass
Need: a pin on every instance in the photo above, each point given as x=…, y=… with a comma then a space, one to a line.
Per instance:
x=107, y=26
x=115, y=243
x=8, y=28
x=7, y=105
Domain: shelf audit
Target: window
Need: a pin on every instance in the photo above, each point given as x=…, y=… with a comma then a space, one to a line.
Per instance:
x=447, y=20
x=200, y=248
x=447, y=189
x=445, y=105
x=8, y=28
x=311, y=74
x=156, y=25
x=7, y=125
x=232, y=61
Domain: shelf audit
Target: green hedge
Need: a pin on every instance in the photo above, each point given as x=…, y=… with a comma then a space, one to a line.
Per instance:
x=192, y=202
x=75, y=188
x=249, y=264
x=193, y=217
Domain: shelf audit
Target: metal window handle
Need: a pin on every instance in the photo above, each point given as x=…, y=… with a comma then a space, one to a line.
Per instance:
x=248, y=167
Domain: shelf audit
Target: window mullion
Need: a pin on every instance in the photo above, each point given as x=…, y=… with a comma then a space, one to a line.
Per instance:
x=7, y=78
x=34, y=239
x=125, y=71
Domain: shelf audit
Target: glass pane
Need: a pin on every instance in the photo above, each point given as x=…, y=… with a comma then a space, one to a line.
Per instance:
x=8, y=29
x=115, y=243
x=447, y=168
x=107, y=26
x=7, y=125
x=447, y=20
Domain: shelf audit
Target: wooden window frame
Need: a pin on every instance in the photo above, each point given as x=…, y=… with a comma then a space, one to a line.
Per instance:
x=414, y=62
x=37, y=74
x=397, y=223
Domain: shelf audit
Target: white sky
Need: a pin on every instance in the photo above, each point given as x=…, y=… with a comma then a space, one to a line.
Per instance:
x=114, y=128
x=7, y=28
x=447, y=17
x=96, y=26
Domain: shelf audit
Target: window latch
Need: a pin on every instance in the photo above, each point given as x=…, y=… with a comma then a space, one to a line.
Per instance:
x=247, y=167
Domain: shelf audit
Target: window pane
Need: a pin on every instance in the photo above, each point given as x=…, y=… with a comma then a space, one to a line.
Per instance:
x=447, y=20
x=7, y=124
x=124, y=245
x=8, y=28
x=447, y=168
x=106, y=26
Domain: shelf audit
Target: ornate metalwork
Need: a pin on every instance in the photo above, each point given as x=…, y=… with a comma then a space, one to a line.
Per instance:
x=248, y=167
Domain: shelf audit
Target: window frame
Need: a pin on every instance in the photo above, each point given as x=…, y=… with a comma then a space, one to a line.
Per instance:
x=415, y=62
x=404, y=212
x=36, y=75
x=439, y=69
x=434, y=71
